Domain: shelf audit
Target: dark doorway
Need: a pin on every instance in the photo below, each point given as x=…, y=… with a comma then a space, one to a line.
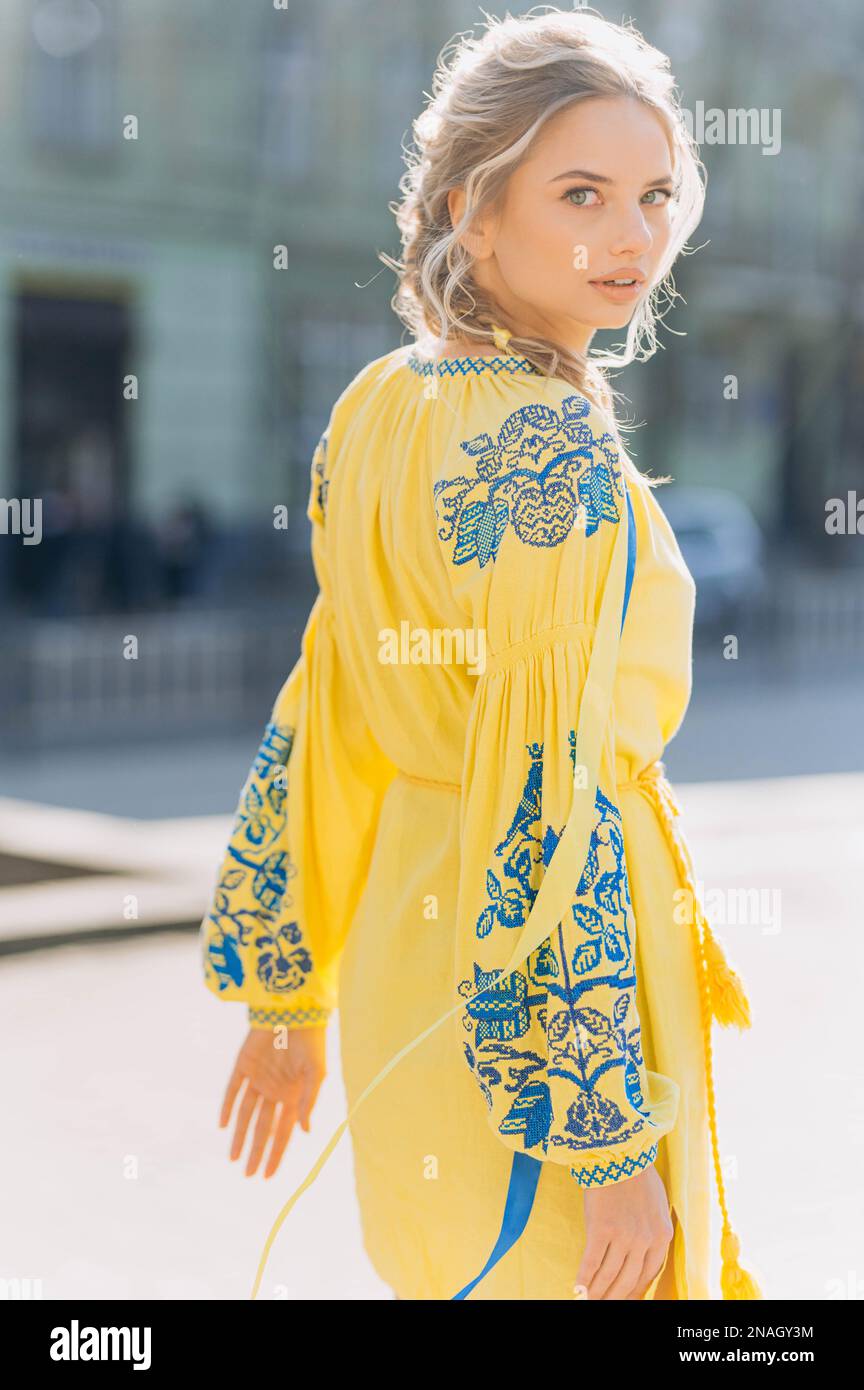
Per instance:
x=70, y=446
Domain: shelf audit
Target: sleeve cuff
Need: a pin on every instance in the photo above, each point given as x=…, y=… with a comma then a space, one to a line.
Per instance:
x=290, y=1018
x=602, y=1174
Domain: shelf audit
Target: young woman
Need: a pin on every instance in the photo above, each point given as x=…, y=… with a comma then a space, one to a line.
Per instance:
x=457, y=828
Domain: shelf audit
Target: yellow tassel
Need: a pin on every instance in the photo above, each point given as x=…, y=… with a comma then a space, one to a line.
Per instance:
x=502, y=337
x=722, y=998
x=735, y=1283
x=729, y=1003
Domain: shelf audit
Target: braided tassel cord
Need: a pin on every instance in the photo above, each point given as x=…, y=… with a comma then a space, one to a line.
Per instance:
x=721, y=997
x=729, y=1003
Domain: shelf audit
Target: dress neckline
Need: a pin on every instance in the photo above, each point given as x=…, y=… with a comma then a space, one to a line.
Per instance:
x=466, y=366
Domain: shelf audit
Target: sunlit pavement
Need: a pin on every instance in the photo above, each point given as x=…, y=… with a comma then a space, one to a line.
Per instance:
x=115, y=1179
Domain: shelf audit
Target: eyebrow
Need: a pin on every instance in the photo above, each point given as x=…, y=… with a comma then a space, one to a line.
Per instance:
x=602, y=178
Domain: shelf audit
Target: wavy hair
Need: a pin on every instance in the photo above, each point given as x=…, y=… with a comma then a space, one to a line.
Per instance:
x=491, y=97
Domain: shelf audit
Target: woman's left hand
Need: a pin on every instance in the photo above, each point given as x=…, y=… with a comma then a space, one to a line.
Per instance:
x=283, y=1081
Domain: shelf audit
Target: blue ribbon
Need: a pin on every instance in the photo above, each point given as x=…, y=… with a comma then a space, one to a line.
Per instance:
x=524, y=1174
x=631, y=555
x=525, y=1170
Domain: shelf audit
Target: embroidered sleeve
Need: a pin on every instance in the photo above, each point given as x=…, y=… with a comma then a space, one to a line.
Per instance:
x=298, y=852
x=255, y=946
x=319, y=481
x=527, y=523
x=556, y=1047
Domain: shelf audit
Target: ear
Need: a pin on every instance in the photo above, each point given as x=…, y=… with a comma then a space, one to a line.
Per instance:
x=477, y=242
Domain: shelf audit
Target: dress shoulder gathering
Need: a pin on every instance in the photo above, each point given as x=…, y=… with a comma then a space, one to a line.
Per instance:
x=420, y=769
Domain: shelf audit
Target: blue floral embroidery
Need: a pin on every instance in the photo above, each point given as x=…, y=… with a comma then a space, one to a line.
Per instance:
x=535, y=475
x=251, y=896
x=504, y=1010
x=581, y=1042
x=320, y=482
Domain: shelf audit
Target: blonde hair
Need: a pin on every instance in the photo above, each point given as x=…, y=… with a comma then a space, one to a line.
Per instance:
x=486, y=109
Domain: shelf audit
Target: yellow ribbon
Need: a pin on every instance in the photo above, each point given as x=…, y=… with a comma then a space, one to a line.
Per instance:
x=567, y=863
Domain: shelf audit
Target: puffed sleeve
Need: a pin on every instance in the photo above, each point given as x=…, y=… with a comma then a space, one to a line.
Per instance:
x=532, y=519
x=298, y=854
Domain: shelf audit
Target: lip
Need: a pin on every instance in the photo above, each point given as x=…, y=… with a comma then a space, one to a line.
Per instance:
x=620, y=294
x=621, y=272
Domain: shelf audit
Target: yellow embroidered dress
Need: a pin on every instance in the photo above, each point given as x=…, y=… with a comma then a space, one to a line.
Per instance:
x=442, y=728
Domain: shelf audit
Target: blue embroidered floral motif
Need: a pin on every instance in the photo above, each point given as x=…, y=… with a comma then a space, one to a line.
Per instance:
x=530, y=1115
x=251, y=895
x=582, y=1041
x=515, y=1070
x=320, y=483
x=537, y=473
x=504, y=1009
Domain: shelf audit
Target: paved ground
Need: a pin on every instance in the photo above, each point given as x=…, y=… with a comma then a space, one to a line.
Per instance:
x=119, y=1184
x=115, y=1181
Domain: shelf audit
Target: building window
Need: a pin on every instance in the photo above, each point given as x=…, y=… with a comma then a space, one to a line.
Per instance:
x=328, y=355
x=399, y=100
x=287, y=109
x=71, y=75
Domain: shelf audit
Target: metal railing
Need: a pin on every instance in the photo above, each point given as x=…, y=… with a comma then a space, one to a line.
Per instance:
x=80, y=680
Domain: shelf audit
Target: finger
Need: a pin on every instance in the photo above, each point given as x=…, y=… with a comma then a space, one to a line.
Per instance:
x=281, y=1136
x=655, y=1259
x=247, y=1109
x=628, y=1275
x=231, y=1092
x=592, y=1258
x=311, y=1085
x=608, y=1270
x=260, y=1136
x=643, y=1279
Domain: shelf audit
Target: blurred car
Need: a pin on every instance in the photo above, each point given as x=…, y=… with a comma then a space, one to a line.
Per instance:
x=723, y=548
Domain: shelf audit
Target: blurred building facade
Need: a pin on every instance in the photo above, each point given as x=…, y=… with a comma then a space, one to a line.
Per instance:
x=254, y=128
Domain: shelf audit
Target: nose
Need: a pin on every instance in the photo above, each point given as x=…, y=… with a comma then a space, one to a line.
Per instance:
x=633, y=234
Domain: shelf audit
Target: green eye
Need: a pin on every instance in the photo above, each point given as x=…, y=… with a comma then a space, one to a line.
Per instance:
x=573, y=193
x=569, y=194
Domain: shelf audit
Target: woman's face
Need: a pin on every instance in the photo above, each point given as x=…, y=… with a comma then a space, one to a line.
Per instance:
x=591, y=202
